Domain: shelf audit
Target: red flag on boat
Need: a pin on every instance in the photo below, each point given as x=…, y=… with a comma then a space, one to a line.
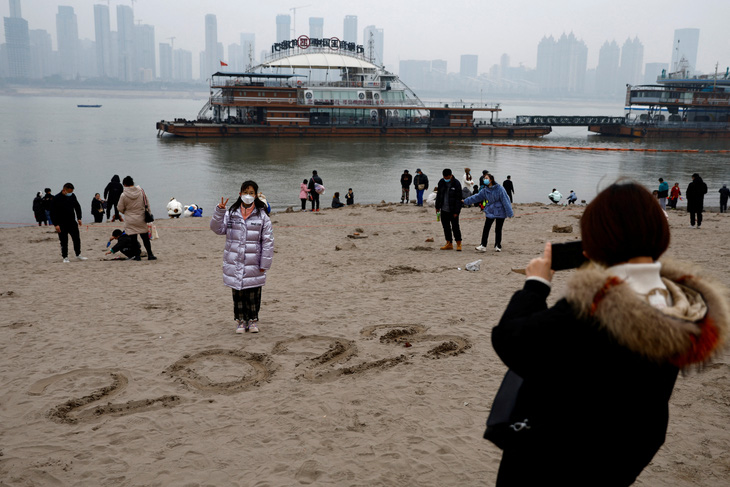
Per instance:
x=223, y=64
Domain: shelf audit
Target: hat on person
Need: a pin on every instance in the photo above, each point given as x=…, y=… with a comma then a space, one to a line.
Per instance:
x=695, y=175
x=418, y=170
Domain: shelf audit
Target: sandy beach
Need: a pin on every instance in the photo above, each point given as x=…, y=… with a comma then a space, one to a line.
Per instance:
x=130, y=373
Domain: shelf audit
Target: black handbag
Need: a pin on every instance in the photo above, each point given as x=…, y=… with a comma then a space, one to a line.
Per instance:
x=502, y=426
x=148, y=217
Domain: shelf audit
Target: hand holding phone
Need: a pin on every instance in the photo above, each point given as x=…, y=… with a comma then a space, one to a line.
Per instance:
x=567, y=255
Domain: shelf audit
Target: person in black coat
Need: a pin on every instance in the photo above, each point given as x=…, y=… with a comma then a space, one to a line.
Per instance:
x=315, y=179
x=38, y=212
x=420, y=182
x=97, y=208
x=405, y=185
x=47, y=203
x=66, y=216
x=112, y=193
x=695, y=195
x=125, y=244
x=509, y=187
x=448, y=204
x=724, y=193
x=599, y=367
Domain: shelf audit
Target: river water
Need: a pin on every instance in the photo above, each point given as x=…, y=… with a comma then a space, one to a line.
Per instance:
x=48, y=141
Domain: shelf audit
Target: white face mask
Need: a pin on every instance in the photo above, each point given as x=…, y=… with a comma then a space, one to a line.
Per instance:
x=247, y=198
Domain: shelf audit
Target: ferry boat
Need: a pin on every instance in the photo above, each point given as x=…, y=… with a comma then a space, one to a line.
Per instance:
x=328, y=88
x=679, y=105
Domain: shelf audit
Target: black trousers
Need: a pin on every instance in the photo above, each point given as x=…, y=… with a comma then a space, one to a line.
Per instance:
x=451, y=223
x=72, y=230
x=315, y=199
x=247, y=303
x=145, y=242
x=723, y=205
x=304, y=203
x=109, y=205
x=497, y=231
x=98, y=217
x=697, y=215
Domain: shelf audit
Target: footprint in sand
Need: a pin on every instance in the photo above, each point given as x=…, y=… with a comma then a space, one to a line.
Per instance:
x=308, y=473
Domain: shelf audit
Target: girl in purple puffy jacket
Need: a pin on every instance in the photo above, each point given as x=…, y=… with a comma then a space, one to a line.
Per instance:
x=248, y=253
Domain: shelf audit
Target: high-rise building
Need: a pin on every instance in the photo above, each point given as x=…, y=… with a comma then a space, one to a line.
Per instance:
x=632, y=60
x=349, y=33
x=438, y=66
x=67, y=36
x=15, y=9
x=145, y=52
x=235, y=58
x=182, y=69
x=17, y=43
x=373, y=40
x=165, y=61
x=686, y=42
x=87, y=58
x=607, y=83
x=41, y=53
x=654, y=70
x=468, y=66
x=561, y=65
x=126, y=67
x=248, y=50
x=283, y=28
x=211, y=60
x=316, y=27
x=103, y=33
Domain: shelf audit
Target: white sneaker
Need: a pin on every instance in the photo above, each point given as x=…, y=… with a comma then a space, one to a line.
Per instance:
x=65, y=260
x=242, y=327
x=497, y=248
x=253, y=328
x=81, y=257
x=481, y=248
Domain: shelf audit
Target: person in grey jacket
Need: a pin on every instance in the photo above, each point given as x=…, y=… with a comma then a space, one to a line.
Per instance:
x=498, y=207
x=248, y=253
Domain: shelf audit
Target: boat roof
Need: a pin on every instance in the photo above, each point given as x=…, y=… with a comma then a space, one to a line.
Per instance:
x=320, y=60
x=255, y=75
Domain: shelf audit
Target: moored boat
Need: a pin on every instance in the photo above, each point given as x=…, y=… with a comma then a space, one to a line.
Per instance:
x=327, y=88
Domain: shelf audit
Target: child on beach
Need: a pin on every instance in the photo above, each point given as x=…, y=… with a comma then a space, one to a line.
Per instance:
x=350, y=197
x=304, y=194
x=125, y=244
x=248, y=252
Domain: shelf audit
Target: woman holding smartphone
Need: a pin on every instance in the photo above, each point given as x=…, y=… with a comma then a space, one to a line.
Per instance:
x=599, y=366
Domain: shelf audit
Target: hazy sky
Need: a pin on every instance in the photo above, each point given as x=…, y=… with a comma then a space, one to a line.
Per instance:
x=429, y=29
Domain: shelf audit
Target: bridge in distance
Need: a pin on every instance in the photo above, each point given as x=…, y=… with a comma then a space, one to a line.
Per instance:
x=568, y=121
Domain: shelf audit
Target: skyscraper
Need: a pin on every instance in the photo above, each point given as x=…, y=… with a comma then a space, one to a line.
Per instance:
x=561, y=65
x=41, y=52
x=125, y=43
x=15, y=9
x=350, y=29
x=283, y=27
x=468, y=65
x=165, y=61
x=686, y=42
x=316, y=27
x=145, y=52
x=607, y=83
x=248, y=50
x=67, y=36
x=182, y=65
x=212, y=62
x=103, y=41
x=632, y=60
x=17, y=43
x=373, y=40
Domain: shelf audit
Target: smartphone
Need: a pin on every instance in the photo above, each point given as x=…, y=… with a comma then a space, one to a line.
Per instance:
x=568, y=255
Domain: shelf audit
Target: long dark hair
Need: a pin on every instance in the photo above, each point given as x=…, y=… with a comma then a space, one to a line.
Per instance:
x=257, y=202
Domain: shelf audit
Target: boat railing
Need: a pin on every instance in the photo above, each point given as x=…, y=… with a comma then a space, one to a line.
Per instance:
x=679, y=124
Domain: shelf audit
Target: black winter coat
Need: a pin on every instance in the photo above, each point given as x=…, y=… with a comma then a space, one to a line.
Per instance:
x=405, y=180
x=454, y=195
x=65, y=210
x=420, y=179
x=695, y=195
x=113, y=191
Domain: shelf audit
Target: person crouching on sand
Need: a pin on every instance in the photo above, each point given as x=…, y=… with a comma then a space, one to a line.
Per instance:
x=248, y=253
x=606, y=356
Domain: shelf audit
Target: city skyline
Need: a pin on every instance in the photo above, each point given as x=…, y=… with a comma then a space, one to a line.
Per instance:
x=462, y=26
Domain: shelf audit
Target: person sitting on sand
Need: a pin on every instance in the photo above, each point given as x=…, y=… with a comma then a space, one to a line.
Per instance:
x=336, y=203
x=125, y=244
x=431, y=199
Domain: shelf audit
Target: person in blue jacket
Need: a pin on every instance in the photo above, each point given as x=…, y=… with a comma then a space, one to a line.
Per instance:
x=498, y=207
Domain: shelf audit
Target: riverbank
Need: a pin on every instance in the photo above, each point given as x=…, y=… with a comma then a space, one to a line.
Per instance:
x=130, y=372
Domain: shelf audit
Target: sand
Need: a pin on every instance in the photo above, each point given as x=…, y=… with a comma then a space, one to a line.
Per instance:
x=130, y=373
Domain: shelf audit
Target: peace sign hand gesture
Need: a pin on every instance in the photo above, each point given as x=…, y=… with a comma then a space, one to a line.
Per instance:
x=222, y=204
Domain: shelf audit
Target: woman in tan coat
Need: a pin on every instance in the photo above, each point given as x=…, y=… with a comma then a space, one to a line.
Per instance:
x=132, y=204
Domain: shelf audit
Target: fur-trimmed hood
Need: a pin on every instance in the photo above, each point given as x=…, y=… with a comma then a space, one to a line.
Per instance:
x=658, y=335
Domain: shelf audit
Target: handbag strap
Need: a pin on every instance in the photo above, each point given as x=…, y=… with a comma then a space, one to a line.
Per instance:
x=144, y=200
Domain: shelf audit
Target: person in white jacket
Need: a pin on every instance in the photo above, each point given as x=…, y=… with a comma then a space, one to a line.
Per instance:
x=555, y=196
x=174, y=208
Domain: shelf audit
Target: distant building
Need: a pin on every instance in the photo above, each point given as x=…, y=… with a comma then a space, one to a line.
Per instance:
x=283, y=27
x=438, y=66
x=125, y=44
x=41, y=54
x=632, y=60
x=211, y=61
x=182, y=65
x=67, y=36
x=165, y=61
x=414, y=73
x=561, y=65
x=469, y=65
x=87, y=58
x=102, y=29
x=248, y=50
x=316, y=27
x=235, y=58
x=607, y=83
x=349, y=31
x=686, y=43
x=145, y=52
x=17, y=46
x=654, y=70
x=374, y=40
x=15, y=12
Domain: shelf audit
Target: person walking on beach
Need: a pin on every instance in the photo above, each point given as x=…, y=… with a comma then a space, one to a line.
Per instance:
x=509, y=187
x=724, y=193
x=674, y=195
x=448, y=205
x=248, y=253
x=47, y=203
x=350, y=197
x=663, y=193
x=112, y=193
x=420, y=182
x=38, y=213
x=313, y=182
x=498, y=207
x=132, y=205
x=304, y=194
x=405, y=183
x=695, y=193
x=97, y=208
x=66, y=217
